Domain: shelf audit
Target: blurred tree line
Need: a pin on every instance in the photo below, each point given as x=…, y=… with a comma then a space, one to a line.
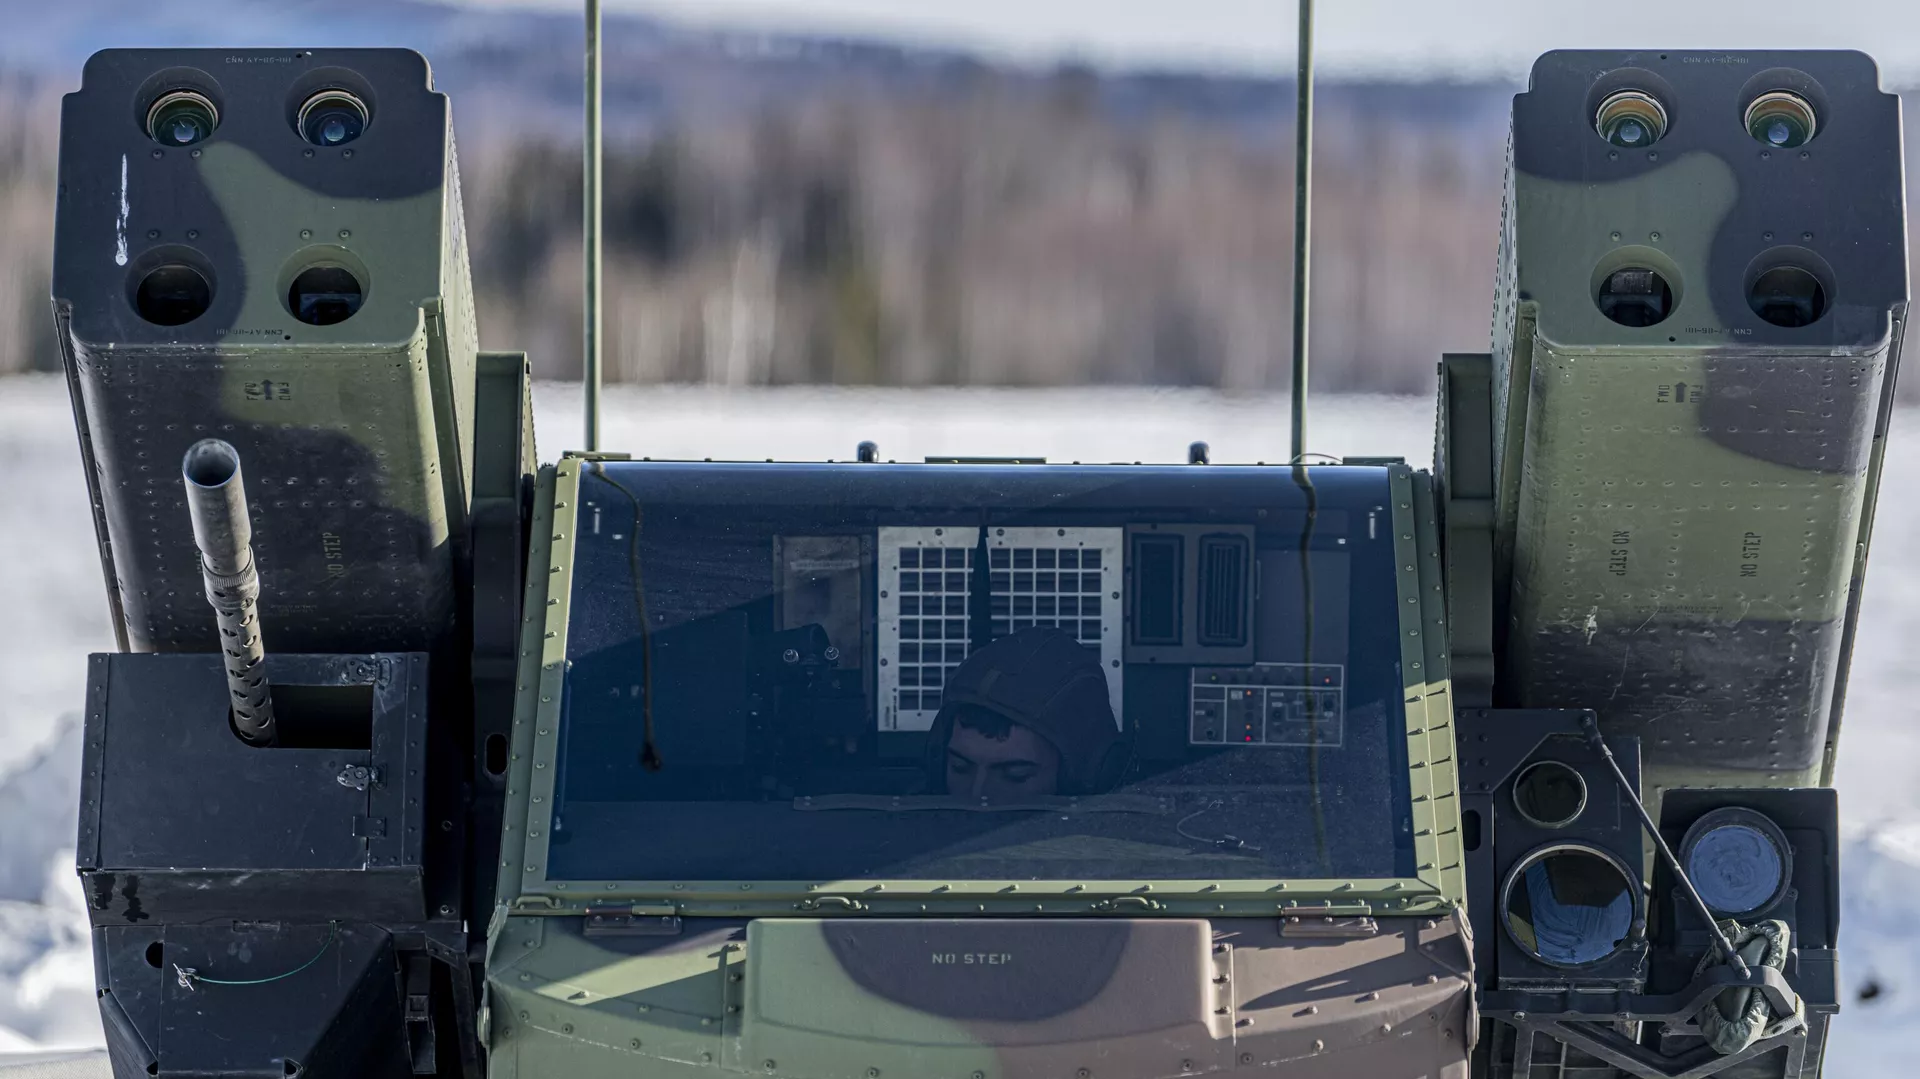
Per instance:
x=854, y=223
x=1010, y=230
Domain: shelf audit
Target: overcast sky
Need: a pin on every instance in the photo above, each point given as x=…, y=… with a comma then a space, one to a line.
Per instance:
x=1494, y=37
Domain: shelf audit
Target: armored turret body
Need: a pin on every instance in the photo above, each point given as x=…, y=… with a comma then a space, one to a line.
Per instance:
x=1694, y=354
x=616, y=766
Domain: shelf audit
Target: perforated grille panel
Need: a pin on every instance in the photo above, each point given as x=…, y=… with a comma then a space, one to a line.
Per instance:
x=1067, y=578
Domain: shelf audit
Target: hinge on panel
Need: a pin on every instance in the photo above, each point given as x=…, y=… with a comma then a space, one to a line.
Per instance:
x=634, y=920
x=1309, y=927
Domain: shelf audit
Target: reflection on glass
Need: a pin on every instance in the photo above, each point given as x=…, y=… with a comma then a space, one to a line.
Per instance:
x=936, y=672
x=1571, y=907
x=1736, y=866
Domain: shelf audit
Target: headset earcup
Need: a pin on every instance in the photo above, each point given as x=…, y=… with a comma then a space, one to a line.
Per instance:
x=1112, y=767
x=933, y=756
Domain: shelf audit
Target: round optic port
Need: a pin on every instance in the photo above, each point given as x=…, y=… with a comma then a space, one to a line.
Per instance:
x=1635, y=296
x=324, y=295
x=1787, y=296
x=1739, y=860
x=1781, y=119
x=1569, y=905
x=172, y=294
x=1633, y=119
x=332, y=118
x=181, y=118
x=1550, y=794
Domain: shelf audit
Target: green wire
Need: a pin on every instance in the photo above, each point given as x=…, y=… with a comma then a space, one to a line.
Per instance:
x=188, y=975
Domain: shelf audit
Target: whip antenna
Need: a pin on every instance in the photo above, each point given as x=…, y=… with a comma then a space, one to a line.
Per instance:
x=590, y=226
x=1302, y=202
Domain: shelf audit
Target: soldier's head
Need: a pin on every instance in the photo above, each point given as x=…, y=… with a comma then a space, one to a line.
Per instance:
x=1028, y=715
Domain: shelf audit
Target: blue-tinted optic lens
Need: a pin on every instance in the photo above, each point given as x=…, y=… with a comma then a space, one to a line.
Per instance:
x=1736, y=867
x=332, y=118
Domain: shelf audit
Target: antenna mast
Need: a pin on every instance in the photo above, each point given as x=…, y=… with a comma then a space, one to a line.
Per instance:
x=1302, y=204
x=591, y=227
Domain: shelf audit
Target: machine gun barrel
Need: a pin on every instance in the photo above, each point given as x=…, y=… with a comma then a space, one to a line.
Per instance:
x=217, y=501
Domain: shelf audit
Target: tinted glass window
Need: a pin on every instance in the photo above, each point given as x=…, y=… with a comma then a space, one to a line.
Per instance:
x=810, y=673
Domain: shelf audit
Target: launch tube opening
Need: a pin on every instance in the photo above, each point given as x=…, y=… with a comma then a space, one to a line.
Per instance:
x=1637, y=286
x=1636, y=296
x=1787, y=296
x=182, y=118
x=1632, y=119
x=172, y=294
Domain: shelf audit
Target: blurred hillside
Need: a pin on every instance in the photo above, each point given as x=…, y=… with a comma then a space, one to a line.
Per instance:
x=785, y=210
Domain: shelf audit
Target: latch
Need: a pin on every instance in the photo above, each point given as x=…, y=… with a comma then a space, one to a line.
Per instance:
x=1311, y=927
x=358, y=777
x=1129, y=902
x=636, y=920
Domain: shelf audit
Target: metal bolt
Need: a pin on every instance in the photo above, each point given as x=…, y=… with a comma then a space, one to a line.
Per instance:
x=1083, y=1073
x=306, y=234
x=767, y=1064
x=791, y=655
x=566, y=1028
x=1319, y=1046
x=635, y=1043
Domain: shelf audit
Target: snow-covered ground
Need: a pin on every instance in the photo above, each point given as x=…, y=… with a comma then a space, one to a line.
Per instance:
x=53, y=612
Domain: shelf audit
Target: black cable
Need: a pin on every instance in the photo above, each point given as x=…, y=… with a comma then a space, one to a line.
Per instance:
x=649, y=751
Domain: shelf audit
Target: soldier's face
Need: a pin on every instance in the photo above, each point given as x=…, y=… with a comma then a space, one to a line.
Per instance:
x=1001, y=769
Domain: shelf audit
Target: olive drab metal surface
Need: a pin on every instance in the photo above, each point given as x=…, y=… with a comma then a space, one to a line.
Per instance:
x=1697, y=328
x=217, y=273
x=470, y=766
